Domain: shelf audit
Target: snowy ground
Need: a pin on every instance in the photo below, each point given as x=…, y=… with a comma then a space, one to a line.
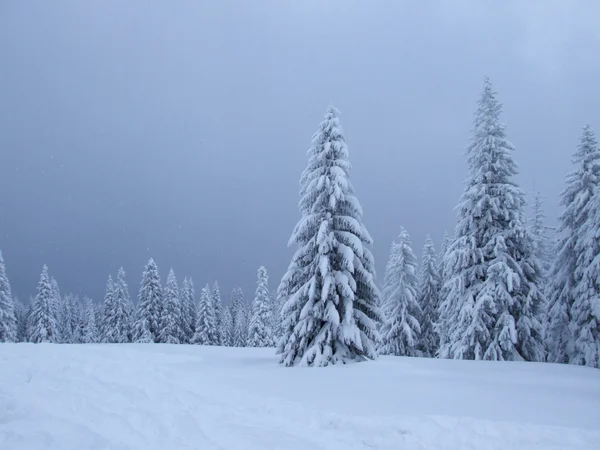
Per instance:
x=76, y=397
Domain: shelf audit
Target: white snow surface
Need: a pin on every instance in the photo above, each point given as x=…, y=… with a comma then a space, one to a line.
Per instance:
x=167, y=397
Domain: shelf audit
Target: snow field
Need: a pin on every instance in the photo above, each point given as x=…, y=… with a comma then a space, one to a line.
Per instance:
x=158, y=396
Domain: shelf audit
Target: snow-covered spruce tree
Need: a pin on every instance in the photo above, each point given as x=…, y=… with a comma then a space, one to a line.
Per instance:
x=89, y=333
x=188, y=311
x=8, y=320
x=226, y=326
x=240, y=318
x=116, y=326
x=260, y=333
x=43, y=323
x=429, y=299
x=276, y=323
x=76, y=318
x=401, y=329
x=206, y=332
x=122, y=296
x=107, y=307
x=147, y=321
x=56, y=301
x=585, y=310
x=494, y=301
x=331, y=312
x=218, y=307
x=541, y=234
x=566, y=276
x=171, y=331
x=22, y=311
x=443, y=333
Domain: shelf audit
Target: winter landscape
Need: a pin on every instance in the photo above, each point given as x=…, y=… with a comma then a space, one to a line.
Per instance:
x=487, y=338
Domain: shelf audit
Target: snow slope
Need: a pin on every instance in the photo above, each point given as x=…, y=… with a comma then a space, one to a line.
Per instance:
x=167, y=397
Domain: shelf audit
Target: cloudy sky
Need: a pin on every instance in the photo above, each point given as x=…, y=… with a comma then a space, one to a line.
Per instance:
x=178, y=130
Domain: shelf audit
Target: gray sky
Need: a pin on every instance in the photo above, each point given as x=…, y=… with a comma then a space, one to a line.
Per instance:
x=178, y=130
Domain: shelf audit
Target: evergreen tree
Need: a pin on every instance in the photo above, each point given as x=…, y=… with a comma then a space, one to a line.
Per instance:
x=171, y=317
x=494, y=302
x=218, y=306
x=277, y=305
x=240, y=318
x=116, y=327
x=22, y=315
x=226, y=326
x=541, y=234
x=188, y=311
x=442, y=332
x=585, y=310
x=8, y=320
x=566, y=276
x=122, y=297
x=429, y=299
x=147, y=323
x=63, y=324
x=331, y=311
x=260, y=333
x=43, y=323
x=206, y=325
x=56, y=301
x=89, y=333
x=75, y=319
x=108, y=308
x=401, y=329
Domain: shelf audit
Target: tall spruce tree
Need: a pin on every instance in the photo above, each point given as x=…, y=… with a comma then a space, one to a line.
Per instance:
x=122, y=297
x=171, y=331
x=116, y=326
x=566, y=274
x=56, y=302
x=8, y=320
x=89, y=332
x=206, y=332
x=585, y=310
x=227, y=326
x=188, y=310
x=43, y=322
x=429, y=299
x=331, y=311
x=442, y=332
x=542, y=235
x=260, y=333
x=22, y=311
x=494, y=302
x=218, y=307
x=240, y=318
x=108, y=306
x=147, y=323
x=401, y=329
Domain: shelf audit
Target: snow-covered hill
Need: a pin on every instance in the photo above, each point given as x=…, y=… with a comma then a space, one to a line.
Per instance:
x=168, y=397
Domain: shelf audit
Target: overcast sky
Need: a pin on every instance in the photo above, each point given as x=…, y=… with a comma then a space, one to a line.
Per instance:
x=179, y=130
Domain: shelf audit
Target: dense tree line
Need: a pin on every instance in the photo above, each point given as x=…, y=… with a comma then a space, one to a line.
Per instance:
x=169, y=315
x=502, y=287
